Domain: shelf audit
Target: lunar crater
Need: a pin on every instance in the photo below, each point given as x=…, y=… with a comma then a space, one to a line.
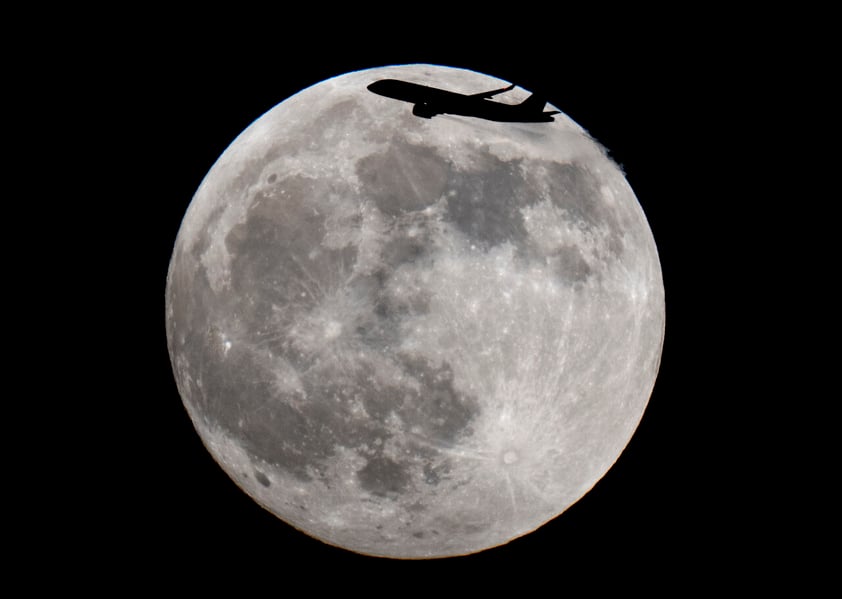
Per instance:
x=510, y=457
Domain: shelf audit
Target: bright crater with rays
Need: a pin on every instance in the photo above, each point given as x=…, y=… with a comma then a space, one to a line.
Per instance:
x=411, y=337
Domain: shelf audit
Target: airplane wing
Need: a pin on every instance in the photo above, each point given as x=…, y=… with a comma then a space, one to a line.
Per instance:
x=489, y=94
x=534, y=103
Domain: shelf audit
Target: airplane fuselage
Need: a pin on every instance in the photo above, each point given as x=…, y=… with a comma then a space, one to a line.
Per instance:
x=430, y=101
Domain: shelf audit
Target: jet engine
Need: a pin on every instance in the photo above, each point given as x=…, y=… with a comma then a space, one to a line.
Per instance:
x=424, y=111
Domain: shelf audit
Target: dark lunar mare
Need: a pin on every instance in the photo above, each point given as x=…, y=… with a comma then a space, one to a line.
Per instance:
x=485, y=200
x=298, y=431
x=272, y=265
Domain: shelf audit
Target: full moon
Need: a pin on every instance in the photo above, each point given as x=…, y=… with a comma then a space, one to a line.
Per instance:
x=413, y=337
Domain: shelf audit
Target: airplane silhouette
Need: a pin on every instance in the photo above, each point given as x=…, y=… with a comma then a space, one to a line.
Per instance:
x=430, y=101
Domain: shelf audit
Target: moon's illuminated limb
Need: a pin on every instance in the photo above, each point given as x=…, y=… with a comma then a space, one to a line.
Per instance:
x=413, y=337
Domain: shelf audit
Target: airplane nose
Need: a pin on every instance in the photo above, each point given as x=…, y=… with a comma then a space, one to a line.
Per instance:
x=381, y=87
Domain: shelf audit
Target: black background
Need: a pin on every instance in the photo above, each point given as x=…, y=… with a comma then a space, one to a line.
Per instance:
x=673, y=107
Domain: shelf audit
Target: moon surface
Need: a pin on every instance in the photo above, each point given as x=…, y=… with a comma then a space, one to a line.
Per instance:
x=413, y=337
